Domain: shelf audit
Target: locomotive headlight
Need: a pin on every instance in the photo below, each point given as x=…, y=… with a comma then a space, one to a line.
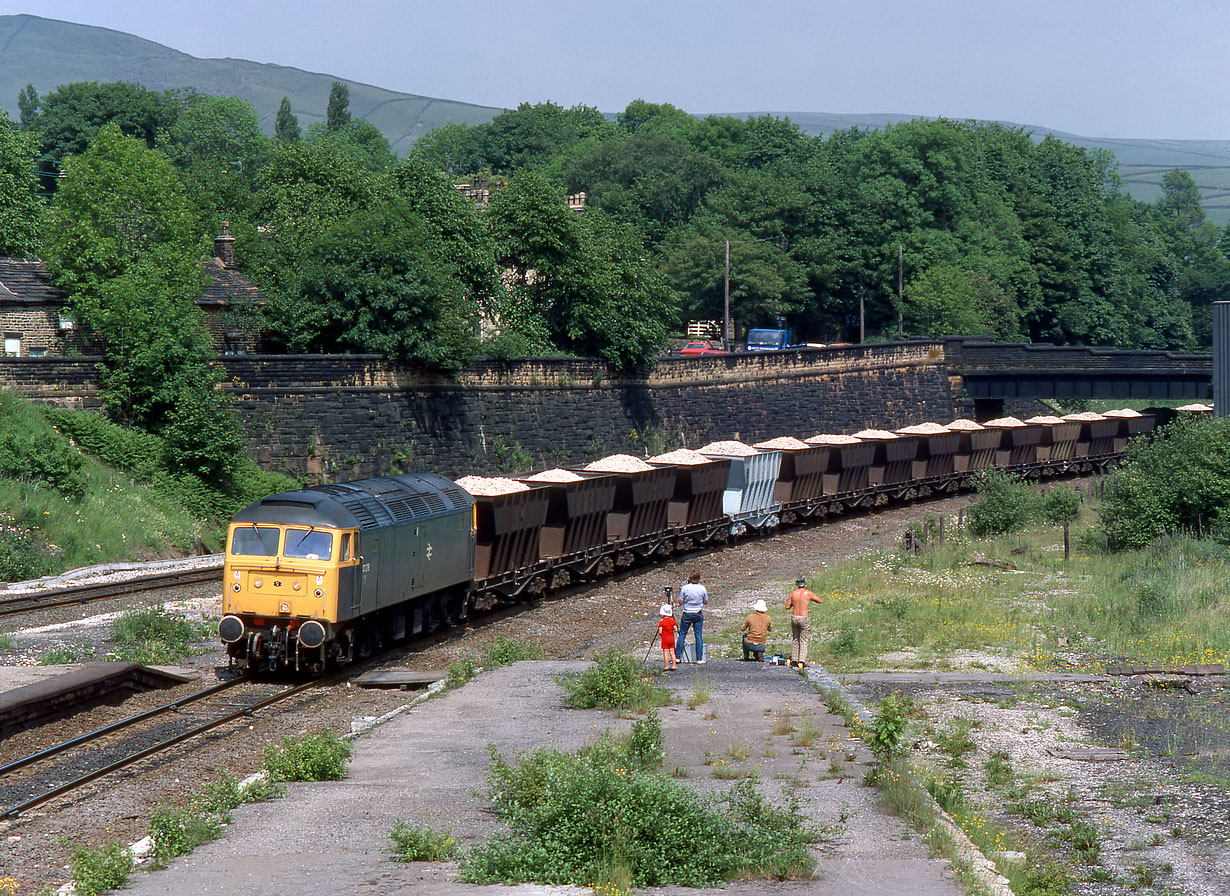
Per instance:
x=283, y=607
x=257, y=582
x=297, y=586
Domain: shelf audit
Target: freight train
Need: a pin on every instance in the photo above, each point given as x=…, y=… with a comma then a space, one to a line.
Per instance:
x=326, y=574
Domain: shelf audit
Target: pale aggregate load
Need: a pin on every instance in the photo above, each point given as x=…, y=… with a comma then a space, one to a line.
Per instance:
x=829, y=438
x=682, y=456
x=729, y=448
x=556, y=475
x=1195, y=407
x=881, y=434
x=924, y=429
x=1123, y=413
x=1005, y=423
x=619, y=463
x=489, y=486
x=1047, y=419
x=964, y=424
x=1084, y=417
x=783, y=443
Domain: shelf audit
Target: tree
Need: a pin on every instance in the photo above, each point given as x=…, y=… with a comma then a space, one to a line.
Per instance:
x=360, y=141
x=286, y=126
x=73, y=115
x=378, y=282
x=118, y=204
x=947, y=301
x=21, y=209
x=337, y=114
x=28, y=104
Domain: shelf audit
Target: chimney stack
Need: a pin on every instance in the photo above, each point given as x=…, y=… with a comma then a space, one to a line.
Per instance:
x=224, y=246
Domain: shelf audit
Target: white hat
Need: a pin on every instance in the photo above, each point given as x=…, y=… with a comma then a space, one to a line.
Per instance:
x=666, y=610
x=760, y=607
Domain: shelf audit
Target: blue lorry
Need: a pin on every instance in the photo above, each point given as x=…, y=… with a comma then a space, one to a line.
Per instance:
x=767, y=340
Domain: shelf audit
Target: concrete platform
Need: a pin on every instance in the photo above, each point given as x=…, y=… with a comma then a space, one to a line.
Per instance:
x=30, y=697
x=429, y=766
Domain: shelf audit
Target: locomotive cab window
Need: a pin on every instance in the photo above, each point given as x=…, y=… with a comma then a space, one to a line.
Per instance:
x=255, y=541
x=345, y=553
x=308, y=544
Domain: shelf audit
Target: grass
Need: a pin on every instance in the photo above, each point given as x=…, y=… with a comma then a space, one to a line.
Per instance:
x=320, y=756
x=152, y=636
x=504, y=652
x=412, y=843
x=1165, y=605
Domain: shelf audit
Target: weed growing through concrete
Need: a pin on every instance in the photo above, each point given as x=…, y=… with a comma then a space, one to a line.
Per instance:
x=613, y=681
x=314, y=757
x=413, y=843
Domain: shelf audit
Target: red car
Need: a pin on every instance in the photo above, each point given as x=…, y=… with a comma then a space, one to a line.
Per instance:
x=701, y=348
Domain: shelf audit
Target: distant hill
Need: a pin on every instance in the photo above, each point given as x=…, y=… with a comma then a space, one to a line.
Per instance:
x=48, y=53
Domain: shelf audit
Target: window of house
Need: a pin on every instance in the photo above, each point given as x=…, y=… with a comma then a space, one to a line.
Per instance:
x=12, y=345
x=38, y=353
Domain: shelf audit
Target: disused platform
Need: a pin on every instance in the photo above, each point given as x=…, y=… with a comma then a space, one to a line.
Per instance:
x=32, y=696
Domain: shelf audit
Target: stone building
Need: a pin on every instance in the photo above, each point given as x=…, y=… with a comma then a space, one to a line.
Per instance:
x=37, y=321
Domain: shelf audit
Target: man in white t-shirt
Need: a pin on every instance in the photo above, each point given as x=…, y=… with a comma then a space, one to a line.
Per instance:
x=693, y=597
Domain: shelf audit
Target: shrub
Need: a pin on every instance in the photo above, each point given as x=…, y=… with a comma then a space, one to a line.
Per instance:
x=1061, y=505
x=586, y=818
x=421, y=844
x=460, y=671
x=313, y=757
x=31, y=449
x=506, y=651
x=151, y=635
x=613, y=681
x=1006, y=503
x=22, y=554
x=888, y=725
x=176, y=832
x=99, y=870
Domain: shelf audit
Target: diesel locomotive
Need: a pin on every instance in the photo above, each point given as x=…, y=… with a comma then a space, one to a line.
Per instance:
x=327, y=574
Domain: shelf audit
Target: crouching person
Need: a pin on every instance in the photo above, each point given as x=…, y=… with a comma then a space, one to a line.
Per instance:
x=755, y=630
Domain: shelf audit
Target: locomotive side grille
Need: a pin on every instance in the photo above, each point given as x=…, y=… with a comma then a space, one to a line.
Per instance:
x=434, y=503
x=401, y=509
x=361, y=513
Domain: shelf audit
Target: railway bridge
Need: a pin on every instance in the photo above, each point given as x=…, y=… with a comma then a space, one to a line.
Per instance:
x=992, y=373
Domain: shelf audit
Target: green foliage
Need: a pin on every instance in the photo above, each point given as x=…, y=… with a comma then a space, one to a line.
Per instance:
x=178, y=831
x=286, y=127
x=613, y=681
x=460, y=671
x=1006, y=503
x=590, y=818
x=506, y=651
x=1178, y=482
x=337, y=115
x=314, y=757
x=152, y=636
x=888, y=725
x=31, y=451
x=646, y=746
x=21, y=209
x=102, y=869
x=1061, y=505
x=413, y=843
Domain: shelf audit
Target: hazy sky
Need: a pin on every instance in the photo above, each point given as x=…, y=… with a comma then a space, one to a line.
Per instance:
x=1098, y=68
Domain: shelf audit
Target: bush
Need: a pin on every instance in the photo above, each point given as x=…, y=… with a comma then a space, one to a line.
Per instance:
x=506, y=651
x=1179, y=482
x=586, y=818
x=888, y=725
x=1006, y=503
x=421, y=844
x=614, y=681
x=99, y=870
x=313, y=757
x=22, y=555
x=1061, y=505
x=153, y=636
x=30, y=449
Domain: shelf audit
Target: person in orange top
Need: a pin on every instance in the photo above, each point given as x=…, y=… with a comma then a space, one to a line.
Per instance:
x=756, y=630
x=666, y=628
x=797, y=603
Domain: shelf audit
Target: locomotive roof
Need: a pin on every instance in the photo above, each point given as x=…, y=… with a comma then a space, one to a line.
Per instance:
x=366, y=503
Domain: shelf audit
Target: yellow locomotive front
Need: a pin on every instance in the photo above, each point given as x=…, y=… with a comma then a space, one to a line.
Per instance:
x=283, y=585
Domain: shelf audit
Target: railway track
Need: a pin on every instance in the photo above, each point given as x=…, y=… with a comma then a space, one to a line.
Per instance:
x=36, y=601
x=35, y=779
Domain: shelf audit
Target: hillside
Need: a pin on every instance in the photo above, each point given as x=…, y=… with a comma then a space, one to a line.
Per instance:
x=48, y=53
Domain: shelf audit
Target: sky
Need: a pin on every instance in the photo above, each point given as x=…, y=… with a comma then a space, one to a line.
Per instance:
x=1096, y=68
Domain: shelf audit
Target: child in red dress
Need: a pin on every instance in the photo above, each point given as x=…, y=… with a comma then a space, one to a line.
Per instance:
x=666, y=628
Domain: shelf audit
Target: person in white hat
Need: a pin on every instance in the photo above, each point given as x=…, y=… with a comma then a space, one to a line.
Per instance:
x=756, y=629
x=666, y=628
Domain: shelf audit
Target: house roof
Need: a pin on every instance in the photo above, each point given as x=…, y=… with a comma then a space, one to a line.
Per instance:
x=25, y=282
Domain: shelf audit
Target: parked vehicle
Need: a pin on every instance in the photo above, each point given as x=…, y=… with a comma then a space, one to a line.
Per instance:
x=702, y=348
x=768, y=340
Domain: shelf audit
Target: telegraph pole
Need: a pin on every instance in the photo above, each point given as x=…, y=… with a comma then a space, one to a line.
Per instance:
x=726, y=315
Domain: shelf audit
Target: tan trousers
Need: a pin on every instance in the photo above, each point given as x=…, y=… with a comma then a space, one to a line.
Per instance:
x=800, y=628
